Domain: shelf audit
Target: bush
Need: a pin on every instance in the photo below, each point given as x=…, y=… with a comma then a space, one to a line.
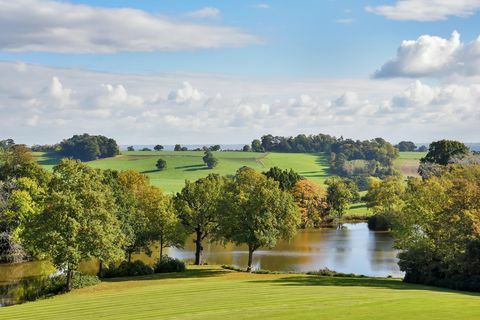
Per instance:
x=169, y=264
x=127, y=269
x=161, y=164
x=379, y=222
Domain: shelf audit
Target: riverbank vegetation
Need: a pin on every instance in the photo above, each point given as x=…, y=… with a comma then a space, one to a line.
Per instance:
x=436, y=218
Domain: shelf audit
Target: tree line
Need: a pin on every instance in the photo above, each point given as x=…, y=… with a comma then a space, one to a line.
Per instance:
x=349, y=158
x=435, y=217
x=76, y=213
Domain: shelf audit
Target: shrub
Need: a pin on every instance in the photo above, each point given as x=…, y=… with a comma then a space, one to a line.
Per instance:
x=127, y=269
x=379, y=222
x=161, y=164
x=169, y=264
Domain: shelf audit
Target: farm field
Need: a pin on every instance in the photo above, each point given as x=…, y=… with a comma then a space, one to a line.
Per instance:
x=408, y=163
x=209, y=292
x=189, y=165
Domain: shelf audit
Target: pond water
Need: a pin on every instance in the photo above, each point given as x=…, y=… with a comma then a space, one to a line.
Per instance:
x=348, y=248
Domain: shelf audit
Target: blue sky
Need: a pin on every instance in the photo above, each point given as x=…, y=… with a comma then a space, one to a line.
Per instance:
x=196, y=71
x=301, y=39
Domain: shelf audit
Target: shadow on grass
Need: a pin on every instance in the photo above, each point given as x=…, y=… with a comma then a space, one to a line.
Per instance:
x=394, y=284
x=203, y=167
x=193, y=166
x=190, y=273
x=50, y=159
x=150, y=171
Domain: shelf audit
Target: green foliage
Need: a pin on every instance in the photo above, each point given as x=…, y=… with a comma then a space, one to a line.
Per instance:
x=127, y=269
x=167, y=264
x=443, y=151
x=158, y=147
x=348, y=157
x=340, y=194
x=311, y=199
x=286, y=178
x=256, y=212
x=78, y=222
x=380, y=222
x=246, y=148
x=210, y=160
x=130, y=148
x=406, y=146
x=437, y=229
x=146, y=149
x=87, y=148
x=198, y=205
x=161, y=164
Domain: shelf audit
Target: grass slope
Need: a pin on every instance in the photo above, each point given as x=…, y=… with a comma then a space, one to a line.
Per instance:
x=189, y=164
x=212, y=293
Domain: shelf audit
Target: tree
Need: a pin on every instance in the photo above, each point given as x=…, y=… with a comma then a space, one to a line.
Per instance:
x=87, y=148
x=158, y=147
x=406, y=146
x=256, y=212
x=210, y=160
x=422, y=149
x=257, y=146
x=216, y=147
x=286, y=178
x=339, y=195
x=161, y=164
x=311, y=199
x=197, y=205
x=146, y=149
x=163, y=223
x=246, y=148
x=177, y=148
x=130, y=148
x=78, y=222
x=441, y=152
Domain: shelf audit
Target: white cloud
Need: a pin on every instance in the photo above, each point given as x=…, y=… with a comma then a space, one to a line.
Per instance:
x=426, y=10
x=207, y=12
x=430, y=56
x=186, y=94
x=47, y=104
x=62, y=27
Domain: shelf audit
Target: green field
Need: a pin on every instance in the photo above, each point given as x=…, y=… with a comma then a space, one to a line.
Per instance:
x=212, y=293
x=189, y=164
x=408, y=163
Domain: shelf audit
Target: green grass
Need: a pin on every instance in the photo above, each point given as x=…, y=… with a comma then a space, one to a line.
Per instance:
x=408, y=163
x=213, y=293
x=189, y=165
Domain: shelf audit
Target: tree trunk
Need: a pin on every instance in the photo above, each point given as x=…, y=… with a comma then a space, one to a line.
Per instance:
x=198, y=246
x=129, y=256
x=100, y=267
x=69, y=278
x=250, y=258
x=161, y=248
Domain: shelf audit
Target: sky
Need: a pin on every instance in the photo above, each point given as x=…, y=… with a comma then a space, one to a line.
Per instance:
x=203, y=72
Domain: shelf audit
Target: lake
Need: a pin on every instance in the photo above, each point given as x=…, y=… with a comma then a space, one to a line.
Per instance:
x=348, y=248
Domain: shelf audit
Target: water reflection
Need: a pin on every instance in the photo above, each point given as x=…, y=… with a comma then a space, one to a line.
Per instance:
x=349, y=248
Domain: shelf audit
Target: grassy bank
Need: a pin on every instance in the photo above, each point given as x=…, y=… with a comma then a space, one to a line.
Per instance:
x=213, y=293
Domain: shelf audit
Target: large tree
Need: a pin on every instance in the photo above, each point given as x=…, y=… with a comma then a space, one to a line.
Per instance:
x=340, y=194
x=406, y=146
x=286, y=178
x=198, y=204
x=443, y=151
x=256, y=212
x=78, y=222
x=311, y=199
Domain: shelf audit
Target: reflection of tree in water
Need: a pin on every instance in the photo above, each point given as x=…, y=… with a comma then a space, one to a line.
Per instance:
x=383, y=257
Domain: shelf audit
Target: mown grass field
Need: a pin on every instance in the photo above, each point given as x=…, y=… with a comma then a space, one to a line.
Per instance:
x=213, y=293
x=189, y=165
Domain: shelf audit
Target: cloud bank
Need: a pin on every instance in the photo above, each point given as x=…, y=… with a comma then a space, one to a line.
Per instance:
x=43, y=105
x=62, y=27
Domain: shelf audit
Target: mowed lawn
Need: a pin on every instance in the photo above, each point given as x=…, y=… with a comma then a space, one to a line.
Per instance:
x=189, y=165
x=212, y=293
